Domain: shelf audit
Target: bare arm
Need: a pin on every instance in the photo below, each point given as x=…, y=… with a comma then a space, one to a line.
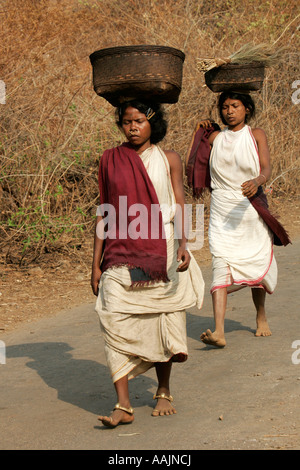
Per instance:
x=176, y=171
x=250, y=187
x=97, y=254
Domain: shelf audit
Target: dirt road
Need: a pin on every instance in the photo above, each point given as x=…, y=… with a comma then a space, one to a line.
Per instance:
x=55, y=381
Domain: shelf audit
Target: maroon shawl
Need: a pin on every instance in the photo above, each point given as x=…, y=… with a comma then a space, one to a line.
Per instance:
x=197, y=168
x=260, y=203
x=198, y=176
x=122, y=173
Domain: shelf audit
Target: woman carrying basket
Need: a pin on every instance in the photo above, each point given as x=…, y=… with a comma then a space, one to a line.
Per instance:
x=143, y=275
x=241, y=229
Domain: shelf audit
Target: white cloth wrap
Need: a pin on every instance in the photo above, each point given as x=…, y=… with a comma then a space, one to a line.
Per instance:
x=144, y=325
x=240, y=242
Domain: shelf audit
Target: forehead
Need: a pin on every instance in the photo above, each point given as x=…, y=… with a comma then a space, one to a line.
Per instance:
x=230, y=101
x=133, y=113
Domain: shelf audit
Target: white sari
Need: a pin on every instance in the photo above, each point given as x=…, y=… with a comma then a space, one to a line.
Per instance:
x=240, y=242
x=144, y=325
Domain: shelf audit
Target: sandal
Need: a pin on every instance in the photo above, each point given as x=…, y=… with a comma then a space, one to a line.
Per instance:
x=110, y=424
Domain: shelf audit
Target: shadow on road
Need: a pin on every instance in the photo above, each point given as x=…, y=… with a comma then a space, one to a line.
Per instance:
x=81, y=382
x=86, y=383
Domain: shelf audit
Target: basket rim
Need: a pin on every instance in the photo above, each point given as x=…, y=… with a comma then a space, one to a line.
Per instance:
x=140, y=48
x=233, y=66
x=137, y=81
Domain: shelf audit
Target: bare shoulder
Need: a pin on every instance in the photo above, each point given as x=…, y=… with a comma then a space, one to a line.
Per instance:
x=212, y=136
x=173, y=158
x=259, y=134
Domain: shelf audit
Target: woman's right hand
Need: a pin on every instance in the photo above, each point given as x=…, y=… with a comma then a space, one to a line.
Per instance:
x=95, y=278
x=205, y=123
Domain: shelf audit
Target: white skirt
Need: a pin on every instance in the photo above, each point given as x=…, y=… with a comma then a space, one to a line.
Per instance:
x=144, y=325
x=240, y=243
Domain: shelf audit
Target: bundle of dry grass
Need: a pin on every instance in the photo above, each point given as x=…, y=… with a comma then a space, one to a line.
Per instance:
x=247, y=54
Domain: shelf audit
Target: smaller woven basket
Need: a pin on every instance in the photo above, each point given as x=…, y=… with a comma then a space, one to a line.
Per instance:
x=237, y=77
x=138, y=72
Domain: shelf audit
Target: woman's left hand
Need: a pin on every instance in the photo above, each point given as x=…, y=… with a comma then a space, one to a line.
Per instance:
x=249, y=188
x=183, y=256
x=95, y=279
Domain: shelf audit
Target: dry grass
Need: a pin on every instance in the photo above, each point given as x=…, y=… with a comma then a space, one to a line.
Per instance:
x=54, y=128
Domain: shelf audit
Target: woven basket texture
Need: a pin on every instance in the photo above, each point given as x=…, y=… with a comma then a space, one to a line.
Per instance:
x=148, y=72
x=238, y=77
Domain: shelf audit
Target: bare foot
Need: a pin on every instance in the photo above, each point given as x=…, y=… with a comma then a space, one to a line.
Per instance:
x=262, y=328
x=214, y=339
x=163, y=406
x=117, y=417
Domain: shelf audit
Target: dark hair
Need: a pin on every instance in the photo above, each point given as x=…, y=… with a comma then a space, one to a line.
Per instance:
x=243, y=97
x=157, y=122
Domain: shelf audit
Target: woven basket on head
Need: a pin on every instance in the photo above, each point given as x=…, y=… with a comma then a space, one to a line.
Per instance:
x=237, y=77
x=138, y=72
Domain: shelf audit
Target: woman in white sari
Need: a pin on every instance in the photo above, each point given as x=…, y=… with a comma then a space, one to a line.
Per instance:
x=240, y=242
x=143, y=285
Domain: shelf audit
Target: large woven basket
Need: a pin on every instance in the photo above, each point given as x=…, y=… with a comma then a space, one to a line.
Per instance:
x=142, y=72
x=238, y=77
